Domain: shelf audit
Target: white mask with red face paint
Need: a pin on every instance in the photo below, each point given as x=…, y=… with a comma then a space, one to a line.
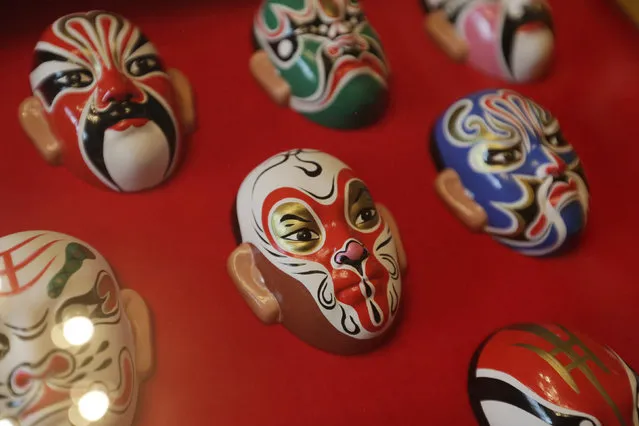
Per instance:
x=313, y=219
x=67, y=347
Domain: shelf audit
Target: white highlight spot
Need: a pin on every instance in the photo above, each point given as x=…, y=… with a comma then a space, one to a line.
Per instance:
x=77, y=331
x=285, y=48
x=7, y=422
x=93, y=405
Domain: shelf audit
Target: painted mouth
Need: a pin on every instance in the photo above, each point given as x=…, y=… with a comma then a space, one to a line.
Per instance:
x=354, y=294
x=531, y=27
x=349, y=65
x=120, y=117
x=563, y=192
x=123, y=125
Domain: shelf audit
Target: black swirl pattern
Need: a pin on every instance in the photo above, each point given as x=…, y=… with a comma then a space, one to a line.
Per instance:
x=354, y=330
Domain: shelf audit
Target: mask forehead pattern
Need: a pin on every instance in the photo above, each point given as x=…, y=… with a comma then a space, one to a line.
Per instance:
x=550, y=372
x=64, y=332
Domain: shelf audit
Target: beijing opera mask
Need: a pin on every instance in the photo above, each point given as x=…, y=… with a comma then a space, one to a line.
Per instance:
x=73, y=346
x=323, y=59
x=509, y=39
x=506, y=169
x=317, y=254
x=104, y=104
x=540, y=375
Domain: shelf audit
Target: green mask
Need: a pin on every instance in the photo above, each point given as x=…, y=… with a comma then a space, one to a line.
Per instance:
x=330, y=56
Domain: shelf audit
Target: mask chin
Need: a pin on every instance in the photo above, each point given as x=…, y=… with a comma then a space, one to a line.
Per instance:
x=573, y=218
x=531, y=53
x=138, y=157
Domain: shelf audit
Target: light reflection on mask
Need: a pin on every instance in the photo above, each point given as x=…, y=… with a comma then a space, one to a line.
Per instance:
x=330, y=56
x=540, y=375
x=313, y=219
x=66, y=344
x=108, y=98
x=513, y=159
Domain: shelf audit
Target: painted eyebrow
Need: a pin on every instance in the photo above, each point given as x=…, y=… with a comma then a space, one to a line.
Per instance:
x=42, y=56
x=361, y=192
x=293, y=217
x=141, y=41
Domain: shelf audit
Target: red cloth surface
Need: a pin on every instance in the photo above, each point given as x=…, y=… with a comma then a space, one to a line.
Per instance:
x=216, y=363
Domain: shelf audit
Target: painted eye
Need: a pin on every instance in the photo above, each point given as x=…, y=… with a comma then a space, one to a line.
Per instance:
x=366, y=215
x=143, y=65
x=498, y=157
x=4, y=346
x=302, y=235
x=557, y=140
x=285, y=48
x=75, y=79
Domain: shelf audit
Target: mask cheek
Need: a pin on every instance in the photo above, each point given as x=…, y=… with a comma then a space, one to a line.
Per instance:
x=64, y=119
x=161, y=86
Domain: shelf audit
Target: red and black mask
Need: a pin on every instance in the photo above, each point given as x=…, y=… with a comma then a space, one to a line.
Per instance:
x=108, y=99
x=539, y=375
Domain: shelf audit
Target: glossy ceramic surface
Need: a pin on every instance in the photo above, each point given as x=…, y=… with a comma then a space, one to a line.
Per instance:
x=110, y=109
x=170, y=244
x=509, y=39
x=67, y=344
x=330, y=56
x=540, y=375
x=315, y=220
x=514, y=162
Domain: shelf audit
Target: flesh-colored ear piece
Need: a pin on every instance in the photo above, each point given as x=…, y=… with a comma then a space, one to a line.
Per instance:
x=250, y=283
x=140, y=317
x=268, y=77
x=444, y=34
x=388, y=218
x=36, y=126
x=450, y=189
x=184, y=94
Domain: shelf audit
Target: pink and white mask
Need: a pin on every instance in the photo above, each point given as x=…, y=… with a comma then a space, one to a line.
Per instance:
x=509, y=39
x=315, y=221
x=73, y=346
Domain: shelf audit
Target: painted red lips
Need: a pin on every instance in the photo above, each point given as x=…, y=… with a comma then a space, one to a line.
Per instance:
x=532, y=27
x=122, y=125
x=560, y=189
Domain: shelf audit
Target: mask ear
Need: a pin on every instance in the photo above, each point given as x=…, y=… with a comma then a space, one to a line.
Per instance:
x=250, y=283
x=35, y=125
x=443, y=32
x=269, y=78
x=451, y=190
x=184, y=94
x=388, y=218
x=140, y=317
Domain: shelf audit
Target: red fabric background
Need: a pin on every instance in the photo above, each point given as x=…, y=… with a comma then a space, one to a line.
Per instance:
x=216, y=364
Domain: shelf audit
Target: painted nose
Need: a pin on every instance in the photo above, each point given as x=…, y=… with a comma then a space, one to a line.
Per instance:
x=352, y=254
x=115, y=87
